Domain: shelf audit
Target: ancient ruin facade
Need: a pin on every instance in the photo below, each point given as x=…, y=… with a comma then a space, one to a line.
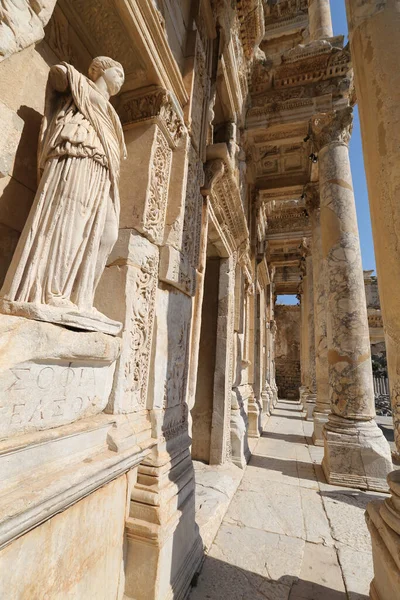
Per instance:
x=193, y=172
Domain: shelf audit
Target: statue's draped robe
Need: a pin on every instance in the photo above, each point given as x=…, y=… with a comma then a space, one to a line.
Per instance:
x=73, y=223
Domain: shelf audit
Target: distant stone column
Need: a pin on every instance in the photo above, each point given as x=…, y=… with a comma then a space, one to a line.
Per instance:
x=320, y=19
x=374, y=28
x=322, y=407
x=356, y=452
x=304, y=338
x=302, y=388
x=312, y=385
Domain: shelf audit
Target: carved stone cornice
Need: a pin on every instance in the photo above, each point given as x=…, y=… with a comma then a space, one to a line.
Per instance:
x=332, y=128
x=226, y=212
x=213, y=170
x=305, y=247
x=157, y=105
x=263, y=274
x=252, y=27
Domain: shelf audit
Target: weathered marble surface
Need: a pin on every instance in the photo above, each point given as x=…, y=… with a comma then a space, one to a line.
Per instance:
x=50, y=375
x=22, y=24
x=89, y=533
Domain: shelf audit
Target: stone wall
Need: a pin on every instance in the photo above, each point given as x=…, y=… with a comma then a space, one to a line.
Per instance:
x=288, y=351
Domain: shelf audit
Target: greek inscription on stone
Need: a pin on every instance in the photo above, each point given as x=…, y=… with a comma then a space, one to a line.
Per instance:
x=36, y=396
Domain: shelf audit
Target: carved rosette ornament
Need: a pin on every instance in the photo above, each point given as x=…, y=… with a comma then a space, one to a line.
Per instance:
x=332, y=128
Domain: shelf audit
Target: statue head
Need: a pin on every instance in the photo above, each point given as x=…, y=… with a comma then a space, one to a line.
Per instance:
x=110, y=70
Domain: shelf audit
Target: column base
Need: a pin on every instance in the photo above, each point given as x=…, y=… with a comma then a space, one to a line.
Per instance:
x=356, y=454
x=254, y=412
x=383, y=520
x=304, y=391
x=310, y=405
x=320, y=418
x=266, y=402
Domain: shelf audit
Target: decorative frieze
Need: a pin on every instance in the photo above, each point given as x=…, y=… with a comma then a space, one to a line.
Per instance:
x=157, y=192
x=192, y=221
x=131, y=276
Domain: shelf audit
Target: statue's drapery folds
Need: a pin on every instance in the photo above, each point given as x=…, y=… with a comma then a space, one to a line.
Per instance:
x=73, y=224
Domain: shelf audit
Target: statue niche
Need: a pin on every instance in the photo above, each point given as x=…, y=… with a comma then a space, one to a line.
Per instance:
x=73, y=223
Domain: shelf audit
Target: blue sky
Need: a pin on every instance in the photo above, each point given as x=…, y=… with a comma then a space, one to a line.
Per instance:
x=357, y=164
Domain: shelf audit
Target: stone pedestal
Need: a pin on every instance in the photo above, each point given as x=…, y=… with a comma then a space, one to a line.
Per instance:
x=383, y=520
x=351, y=424
x=51, y=376
x=356, y=454
x=320, y=20
x=163, y=545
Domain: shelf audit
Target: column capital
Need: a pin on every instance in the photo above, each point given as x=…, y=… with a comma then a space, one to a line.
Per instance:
x=332, y=128
x=157, y=105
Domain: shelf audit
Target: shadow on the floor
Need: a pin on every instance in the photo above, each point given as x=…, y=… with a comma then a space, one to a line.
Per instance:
x=286, y=437
x=352, y=497
x=296, y=415
x=220, y=580
x=288, y=467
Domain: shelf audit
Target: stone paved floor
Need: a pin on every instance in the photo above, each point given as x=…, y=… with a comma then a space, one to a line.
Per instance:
x=287, y=534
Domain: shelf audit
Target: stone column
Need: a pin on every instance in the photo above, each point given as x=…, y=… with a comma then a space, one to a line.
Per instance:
x=322, y=407
x=303, y=346
x=320, y=20
x=312, y=385
x=374, y=41
x=274, y=387
x=356, y=452
x=374, y=37
x=253, y=406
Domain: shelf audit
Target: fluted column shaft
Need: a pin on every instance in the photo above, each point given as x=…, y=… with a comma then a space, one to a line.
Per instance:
x=350, y=432
x=320, y=19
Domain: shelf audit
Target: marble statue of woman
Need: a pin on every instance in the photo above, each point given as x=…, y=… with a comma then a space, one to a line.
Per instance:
x=73, y=223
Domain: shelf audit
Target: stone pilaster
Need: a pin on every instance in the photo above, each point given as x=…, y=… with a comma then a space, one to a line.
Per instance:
x=356, y=452
x=322, y=407
x=320, y=19
x=374, y=41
